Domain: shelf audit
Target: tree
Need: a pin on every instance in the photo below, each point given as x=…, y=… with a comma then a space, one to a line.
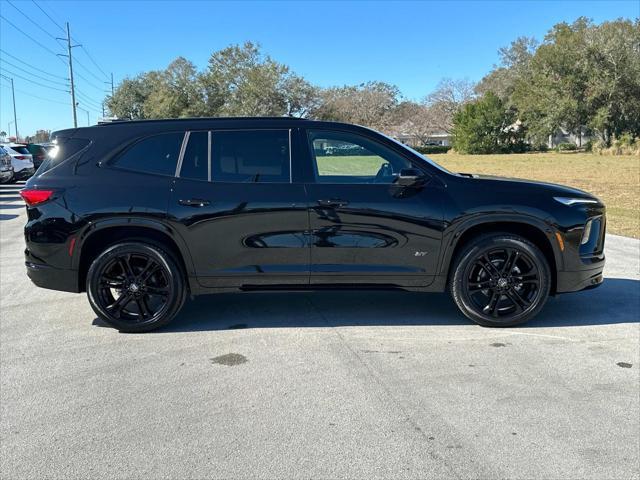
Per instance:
x=613, y=81
x=3, y=135
x=128, y=101
x=446, y=100
x=242, y=81
x=515, y=61
x=486, y=126
x=370, y=104
x=554, y=94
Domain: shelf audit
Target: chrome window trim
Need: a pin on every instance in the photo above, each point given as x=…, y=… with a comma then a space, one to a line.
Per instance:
x=290, y=166
x=183, y=147
x=209, y=147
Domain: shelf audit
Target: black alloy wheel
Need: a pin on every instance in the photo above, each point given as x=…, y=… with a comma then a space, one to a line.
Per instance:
x=135, y=287
x=501, y=280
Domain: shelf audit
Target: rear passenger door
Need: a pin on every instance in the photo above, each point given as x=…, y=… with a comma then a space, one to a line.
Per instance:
x=235, y=203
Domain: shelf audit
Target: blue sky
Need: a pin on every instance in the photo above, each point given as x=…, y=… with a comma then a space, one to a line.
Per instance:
x=410, y=44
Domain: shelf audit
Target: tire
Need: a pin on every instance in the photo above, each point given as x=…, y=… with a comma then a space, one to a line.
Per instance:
x=135, y=287
x=500, y=280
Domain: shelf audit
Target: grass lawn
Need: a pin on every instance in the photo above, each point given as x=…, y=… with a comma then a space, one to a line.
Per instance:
x=613, y=179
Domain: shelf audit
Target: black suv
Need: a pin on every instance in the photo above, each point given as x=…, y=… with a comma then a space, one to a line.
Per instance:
x=143, y=214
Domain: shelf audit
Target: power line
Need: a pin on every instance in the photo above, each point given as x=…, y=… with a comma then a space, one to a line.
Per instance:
x=30, y=19
x=30, y=37
x=88, y=101
x=85, y=68
x=34, y=82
x=48, y=16
x=25, y=64
x=93, y=61
x=33, y=74
x=39, y=98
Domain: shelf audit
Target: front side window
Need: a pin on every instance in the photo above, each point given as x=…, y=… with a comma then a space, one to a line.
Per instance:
x=195, y=162
x=157, y=154
x=343, y=157
x=258, y=156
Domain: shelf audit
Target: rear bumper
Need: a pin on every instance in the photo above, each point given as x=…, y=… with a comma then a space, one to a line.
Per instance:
x=52, y=278
x=580, y=280
x=24, y=173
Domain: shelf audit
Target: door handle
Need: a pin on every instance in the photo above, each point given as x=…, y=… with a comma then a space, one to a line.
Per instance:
x=194, y=202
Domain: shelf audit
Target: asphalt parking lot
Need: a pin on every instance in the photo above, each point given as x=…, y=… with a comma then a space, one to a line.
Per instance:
x=327, y=385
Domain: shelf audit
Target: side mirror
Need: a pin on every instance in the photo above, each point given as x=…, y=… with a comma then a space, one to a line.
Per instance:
x=410, y=177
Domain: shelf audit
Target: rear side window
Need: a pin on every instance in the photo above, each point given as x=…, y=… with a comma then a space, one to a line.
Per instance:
x=21, y=150
x=157, y=154
x=64, y=149
x=250, y=156
x=195, y=163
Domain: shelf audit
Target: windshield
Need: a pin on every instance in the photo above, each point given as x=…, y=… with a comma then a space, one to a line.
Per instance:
x=426, y=159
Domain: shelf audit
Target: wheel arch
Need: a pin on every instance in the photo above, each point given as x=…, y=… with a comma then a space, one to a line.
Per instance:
x=537, y=232
x=100, y=235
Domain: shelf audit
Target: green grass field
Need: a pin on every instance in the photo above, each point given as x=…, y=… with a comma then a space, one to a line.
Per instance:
x=614, y=179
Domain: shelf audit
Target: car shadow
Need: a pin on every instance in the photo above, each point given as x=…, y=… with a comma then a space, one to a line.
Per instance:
x=616, y=301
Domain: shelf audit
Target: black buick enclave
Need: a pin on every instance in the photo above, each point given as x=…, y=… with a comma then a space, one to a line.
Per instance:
x=143, y=214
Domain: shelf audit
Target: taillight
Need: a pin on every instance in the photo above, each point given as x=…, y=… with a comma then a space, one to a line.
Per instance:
x=22, y=157
x=34, y=197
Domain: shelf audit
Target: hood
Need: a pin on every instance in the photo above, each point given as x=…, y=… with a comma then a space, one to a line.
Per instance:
x=531, y=186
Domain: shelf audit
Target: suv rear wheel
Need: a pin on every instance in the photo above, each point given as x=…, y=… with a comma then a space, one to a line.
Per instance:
x=500, y=280
x=135, y=287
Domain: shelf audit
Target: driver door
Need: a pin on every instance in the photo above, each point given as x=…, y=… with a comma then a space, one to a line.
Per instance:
x=365, y=228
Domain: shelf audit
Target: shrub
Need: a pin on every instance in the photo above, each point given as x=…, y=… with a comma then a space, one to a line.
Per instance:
x=428, y=149
x=623, y=145
x=566, y=147
x=486, y=125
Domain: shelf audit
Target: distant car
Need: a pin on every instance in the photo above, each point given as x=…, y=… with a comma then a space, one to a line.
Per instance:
x=6, y=170
x=21, y=160
x=39, y=153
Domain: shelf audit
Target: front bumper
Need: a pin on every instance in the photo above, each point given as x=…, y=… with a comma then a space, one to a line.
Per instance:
x=580, y=280
x=6, y=175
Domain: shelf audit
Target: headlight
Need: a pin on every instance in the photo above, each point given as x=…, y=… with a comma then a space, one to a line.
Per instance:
x=574, y=201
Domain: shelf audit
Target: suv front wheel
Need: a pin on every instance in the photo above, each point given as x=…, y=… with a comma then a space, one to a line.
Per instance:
x=500, y=280
x=135, y=287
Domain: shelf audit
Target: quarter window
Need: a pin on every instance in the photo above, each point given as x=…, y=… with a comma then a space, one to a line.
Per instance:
x=250, y=156
x=195, y=163
x=341, y=157
x=157, y=154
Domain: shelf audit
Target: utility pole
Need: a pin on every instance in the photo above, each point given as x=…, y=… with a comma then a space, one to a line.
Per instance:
x=13, y=95
x=112, y=84
x=73, y=89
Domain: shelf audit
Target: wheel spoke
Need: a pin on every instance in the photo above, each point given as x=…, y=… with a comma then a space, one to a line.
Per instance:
x=485, y=262
x=116, y=307
x=519, y=302
x=148, y=271
x=112, y=282
x=512, y=257
x=491, y=307
x=163, y=291
x=126, y=266
x=530, y=278
x=143, y=309
x=474, y=286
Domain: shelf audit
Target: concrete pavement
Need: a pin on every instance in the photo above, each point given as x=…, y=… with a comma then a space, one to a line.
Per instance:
x=318, y=385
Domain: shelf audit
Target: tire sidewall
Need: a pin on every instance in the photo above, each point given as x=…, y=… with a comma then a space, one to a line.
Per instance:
x=171, y=268
x=487, y=243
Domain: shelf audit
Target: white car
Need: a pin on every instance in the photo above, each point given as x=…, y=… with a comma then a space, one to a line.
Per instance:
x=21, y=160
